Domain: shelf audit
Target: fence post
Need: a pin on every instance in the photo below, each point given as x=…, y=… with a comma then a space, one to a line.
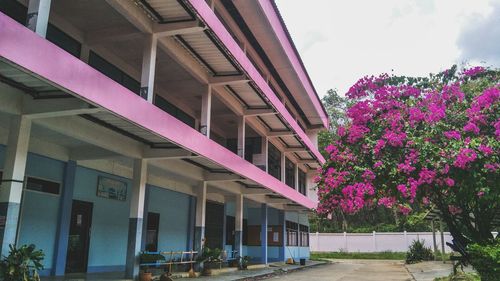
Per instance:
x=406, y=240
x=317, y=241
x=345, y=241
x=374, y=241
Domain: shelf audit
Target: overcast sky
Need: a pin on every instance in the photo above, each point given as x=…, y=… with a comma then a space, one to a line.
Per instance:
x=343, y=40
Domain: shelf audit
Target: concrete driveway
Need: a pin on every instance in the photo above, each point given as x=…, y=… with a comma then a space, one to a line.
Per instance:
x=352, y=270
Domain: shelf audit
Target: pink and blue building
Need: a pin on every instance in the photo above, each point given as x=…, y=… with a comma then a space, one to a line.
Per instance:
x=153, y=125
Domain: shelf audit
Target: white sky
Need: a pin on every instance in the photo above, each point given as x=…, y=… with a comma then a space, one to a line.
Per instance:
x=343, y=40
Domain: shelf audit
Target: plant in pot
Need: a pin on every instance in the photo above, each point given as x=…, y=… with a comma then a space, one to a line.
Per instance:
x=208, y=258
x=147, y=259
x=22, y=263
x=243, y=262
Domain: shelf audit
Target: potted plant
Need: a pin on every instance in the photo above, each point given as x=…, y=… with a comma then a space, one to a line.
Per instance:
x=22, y=263
x=208, y=258
x=145, y=274
x=243, y=262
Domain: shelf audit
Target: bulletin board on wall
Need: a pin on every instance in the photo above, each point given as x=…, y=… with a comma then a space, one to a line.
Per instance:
x=274, y=235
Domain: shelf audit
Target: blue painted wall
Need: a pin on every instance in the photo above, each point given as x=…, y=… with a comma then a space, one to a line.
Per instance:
x=110, y=219
x=39, y=210
x=173, y=208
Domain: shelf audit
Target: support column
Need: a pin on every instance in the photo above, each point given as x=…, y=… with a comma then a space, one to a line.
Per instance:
x=224, y=227
x=265, y=151
x=38, y=16
x=11, y=188
x=296, y=176
x=283, y=165
x=199, y=230
x=263, y=233
x=191, y=223
x=206, y=109
x=64, y=219
x=282, y=223
x=145, y=220
x=148, y=67
x=238, y=225
x=241, y=137
x=136, y=218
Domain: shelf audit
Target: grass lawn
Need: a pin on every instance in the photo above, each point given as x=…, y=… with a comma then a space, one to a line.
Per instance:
x=374, y=256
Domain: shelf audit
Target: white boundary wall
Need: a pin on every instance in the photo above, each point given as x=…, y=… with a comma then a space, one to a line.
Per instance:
x=373, y=242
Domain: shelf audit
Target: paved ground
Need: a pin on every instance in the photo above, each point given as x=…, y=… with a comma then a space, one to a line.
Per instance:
x=352, y=270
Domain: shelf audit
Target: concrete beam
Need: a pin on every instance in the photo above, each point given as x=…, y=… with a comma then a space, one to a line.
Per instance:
x=36, y=109
x=275, y=134
x=259, y=112
x=256, y=191
x=90, y=153
x=177, y=28
x=295, y=149
x=112, y=34
x=227, y=80
x=167, y=153
x=93, y=134
x=307, y=161
x=218, y=177
x=277, y=201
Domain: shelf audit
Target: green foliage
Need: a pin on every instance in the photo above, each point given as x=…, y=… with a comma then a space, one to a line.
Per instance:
x=151, y=258
x=460, y=276
x=359, y=255
x=418, y=252
x=22, y=264
x=210, y=255
x=486, y=259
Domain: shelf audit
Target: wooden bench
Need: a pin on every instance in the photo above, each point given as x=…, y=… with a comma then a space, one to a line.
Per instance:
x=171, y=258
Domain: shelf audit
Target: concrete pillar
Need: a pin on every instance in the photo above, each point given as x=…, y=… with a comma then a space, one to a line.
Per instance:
x=263, y=233
x=64, y=219
x=238, y=225
x=283, y=165
x=224, y=228
x=85, y=53
x=206, y=109
x=296, y=176
x=241, y=137
x=136, y=218
x=201, y=204
x=38, y=16
x=282, y=223
x=148, y=67
x=145, y=220
x=313, y=136
x=265, y=151
x=13, y=178
x=191, y=223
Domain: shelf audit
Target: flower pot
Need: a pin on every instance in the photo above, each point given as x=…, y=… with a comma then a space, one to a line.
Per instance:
x=207, y=271
x=146, y=276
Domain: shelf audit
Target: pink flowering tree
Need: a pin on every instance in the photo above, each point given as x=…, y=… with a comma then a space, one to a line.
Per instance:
x=413, y=143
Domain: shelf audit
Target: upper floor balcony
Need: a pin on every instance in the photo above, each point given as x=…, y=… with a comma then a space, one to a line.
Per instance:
x=180, y=56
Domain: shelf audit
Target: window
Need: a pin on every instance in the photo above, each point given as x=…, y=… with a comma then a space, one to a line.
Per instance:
x=302, y=182
x=173, y=110
x=153, y=225
x=18, y=12
x=304, y=236
x=63, y=40
x=289, y=173
x=40, y=185
x=291, y=233
x=274, y=161
x=114, y=73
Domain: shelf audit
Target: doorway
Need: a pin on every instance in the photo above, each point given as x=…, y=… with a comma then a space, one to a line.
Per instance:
x=79, y=237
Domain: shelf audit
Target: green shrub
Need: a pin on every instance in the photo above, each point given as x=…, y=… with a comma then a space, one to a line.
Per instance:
x=22, y=264
x=486, y=259
x=418, y=252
